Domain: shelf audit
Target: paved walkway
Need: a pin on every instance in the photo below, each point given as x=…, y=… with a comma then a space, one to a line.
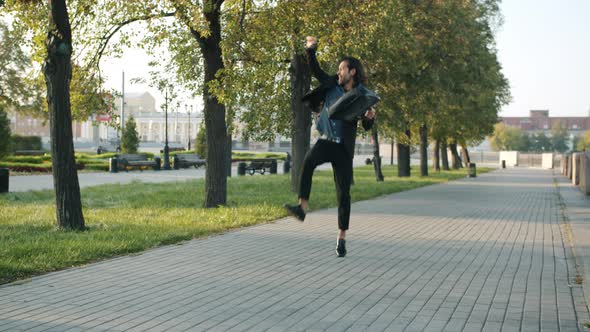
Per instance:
x=490, y=253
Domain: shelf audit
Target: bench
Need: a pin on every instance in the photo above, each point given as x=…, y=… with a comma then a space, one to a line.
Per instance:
x=103, y=148
x=126, y=161
x=185, y=160
x=258, y=166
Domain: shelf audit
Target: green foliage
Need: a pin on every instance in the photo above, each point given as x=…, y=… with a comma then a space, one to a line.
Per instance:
x=5, y=139
x=526, y=144
x=105, y=156
x=119, y=223
x=27, y=164
x=130, y=138
x=559, y=138
x=583, y=143
x=541, y=143
x=86, y=92
x=201, y=141
x=14, y=65
x=96, y=166
x=26, y=143
x=238, y=155
x=25, y=159
x=506, y=138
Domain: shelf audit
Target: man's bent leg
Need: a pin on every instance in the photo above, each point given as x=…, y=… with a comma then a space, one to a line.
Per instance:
x=314, y=157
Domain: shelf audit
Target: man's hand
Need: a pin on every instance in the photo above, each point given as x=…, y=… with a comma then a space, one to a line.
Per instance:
x=311, y=42
x=370, y=113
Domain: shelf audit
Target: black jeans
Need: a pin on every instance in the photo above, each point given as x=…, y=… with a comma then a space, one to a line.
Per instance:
x=322, y=152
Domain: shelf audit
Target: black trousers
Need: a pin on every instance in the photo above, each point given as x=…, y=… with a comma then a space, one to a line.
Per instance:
x=322, y=152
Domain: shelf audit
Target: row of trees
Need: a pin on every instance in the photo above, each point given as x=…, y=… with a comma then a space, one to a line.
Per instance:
x=515, y=139
x=433, y=63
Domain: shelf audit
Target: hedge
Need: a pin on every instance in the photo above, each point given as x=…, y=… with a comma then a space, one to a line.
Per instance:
x=26, y=143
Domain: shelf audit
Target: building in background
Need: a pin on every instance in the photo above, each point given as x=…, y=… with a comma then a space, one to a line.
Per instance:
x=100, y=130
x=539, y=121
x=25, y=125
x=151, y=122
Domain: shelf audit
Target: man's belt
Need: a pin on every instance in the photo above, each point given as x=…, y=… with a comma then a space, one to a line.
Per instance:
x=331, y=139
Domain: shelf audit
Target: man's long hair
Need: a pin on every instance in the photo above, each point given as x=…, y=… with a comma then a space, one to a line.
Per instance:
x=359, y=76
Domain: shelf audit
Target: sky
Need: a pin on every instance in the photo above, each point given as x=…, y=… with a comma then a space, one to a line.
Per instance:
x=543, y=47
x=134, y=64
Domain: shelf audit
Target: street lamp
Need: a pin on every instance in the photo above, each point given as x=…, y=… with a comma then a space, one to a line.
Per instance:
x=166, y=149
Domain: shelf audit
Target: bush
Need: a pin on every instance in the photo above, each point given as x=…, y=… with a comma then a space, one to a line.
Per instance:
x=97, y=166
x=130, y=139
x=237, y=155
x=172, y=153
x=26, y=143
x=25, y=159
x=102, y=156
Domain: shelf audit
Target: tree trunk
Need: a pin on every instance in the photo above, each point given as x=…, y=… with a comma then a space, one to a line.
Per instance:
x=301, y=130
x=376, y=154
x=423, y=150
x=215, y=127
x=465, y=153
x=228, y=154
x=392, y=145
x=58, y=74
x=436, y=156
x=444, y=154
x=403, y=159
x=455, y=160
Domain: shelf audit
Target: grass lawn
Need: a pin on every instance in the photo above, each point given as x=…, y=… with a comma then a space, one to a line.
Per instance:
x=128, y=218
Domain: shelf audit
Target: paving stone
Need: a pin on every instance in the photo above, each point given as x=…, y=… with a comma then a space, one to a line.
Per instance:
x=490, y=253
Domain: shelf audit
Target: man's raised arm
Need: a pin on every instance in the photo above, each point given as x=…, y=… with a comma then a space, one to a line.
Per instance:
x=311, y=46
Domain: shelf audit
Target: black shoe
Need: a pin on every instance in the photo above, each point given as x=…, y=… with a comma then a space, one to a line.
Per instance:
x=296, y=211
x=341, y=248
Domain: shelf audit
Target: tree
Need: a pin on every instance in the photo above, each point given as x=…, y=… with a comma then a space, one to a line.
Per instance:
x=525, y=142
x=14, y=64
x=194, y=36
x=583, y=142
x=130, y=138
x=437, y=72
x=57, y=69
x=559, y=138
x=376, y=155
x=58, y=74
x=506, y=138
x=56, y=55
x=86, y=93
x=5, y=137
x=541, y=143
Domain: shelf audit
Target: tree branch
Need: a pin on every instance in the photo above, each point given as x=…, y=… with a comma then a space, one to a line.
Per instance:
x=113, y=30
